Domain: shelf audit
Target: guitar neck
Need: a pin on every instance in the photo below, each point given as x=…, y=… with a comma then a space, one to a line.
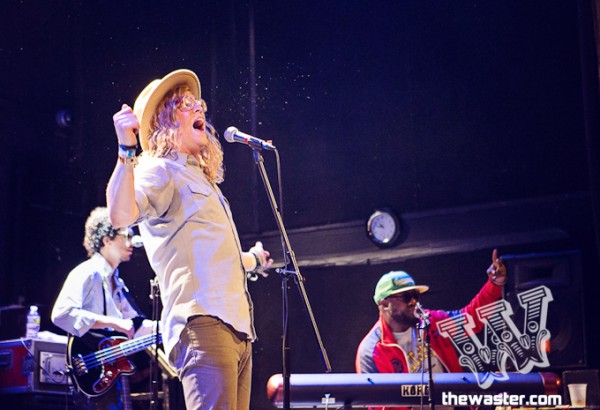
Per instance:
x=127, y=348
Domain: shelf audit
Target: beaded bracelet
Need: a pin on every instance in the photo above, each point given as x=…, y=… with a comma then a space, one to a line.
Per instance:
x=128, y=160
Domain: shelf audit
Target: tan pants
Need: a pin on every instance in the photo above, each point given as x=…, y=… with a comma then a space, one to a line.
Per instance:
x=214, y=363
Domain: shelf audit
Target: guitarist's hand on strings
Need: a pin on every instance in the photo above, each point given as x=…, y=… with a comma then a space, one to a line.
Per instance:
x=147, y=328
x=120, y=325
x=124, y=326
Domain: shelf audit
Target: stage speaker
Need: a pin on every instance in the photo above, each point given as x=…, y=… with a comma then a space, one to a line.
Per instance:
x=561, y=272
x=38, y=401
x=12, y=321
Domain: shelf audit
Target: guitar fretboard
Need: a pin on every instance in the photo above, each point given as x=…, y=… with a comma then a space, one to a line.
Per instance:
x=82, y=364
x=126, y=348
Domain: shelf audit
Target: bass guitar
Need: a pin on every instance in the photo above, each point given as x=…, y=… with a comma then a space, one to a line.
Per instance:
x=99, y=357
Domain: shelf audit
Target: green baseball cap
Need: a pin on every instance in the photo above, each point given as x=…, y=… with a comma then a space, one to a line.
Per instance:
x=395, y=282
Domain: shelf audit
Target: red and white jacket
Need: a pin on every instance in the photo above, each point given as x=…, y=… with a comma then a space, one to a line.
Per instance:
x=379, y=353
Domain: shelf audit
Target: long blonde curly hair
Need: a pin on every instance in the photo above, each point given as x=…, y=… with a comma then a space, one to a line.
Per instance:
x=164, y=141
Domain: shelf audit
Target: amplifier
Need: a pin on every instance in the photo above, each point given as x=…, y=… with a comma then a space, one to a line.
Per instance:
x=33, y=366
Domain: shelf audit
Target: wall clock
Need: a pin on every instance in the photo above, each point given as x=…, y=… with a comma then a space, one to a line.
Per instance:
x=384, y=228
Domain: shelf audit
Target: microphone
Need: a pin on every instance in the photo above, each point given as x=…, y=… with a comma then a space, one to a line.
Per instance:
x=232, y=134
x=136, y=241
x=422, y=315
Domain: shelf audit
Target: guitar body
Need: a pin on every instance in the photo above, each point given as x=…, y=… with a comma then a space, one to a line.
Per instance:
x=97, y=361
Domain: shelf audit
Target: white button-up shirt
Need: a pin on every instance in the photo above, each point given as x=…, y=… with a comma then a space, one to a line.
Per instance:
x=192, y=245
x=84, y=295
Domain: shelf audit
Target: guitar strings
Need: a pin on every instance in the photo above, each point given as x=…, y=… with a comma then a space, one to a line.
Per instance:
x=109, y=352
x=114, y=352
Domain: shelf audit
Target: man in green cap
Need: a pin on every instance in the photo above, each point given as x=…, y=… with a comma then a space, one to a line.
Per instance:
x=392, y=345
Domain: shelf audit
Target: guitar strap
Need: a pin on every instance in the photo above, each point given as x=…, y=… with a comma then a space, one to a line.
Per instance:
x=132, y=302
x=104, y=298
x=137, y=321
x=125, y=389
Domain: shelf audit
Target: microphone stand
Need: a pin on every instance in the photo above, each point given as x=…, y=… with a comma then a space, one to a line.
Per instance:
x=424, y=325
x=285, y=273
x=154, y=293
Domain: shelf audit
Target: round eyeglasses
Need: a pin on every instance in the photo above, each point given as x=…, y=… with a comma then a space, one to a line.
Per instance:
x=188, y=103
x=127, y=234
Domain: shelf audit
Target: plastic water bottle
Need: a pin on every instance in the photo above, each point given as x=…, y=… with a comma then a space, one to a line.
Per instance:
x=33, y=323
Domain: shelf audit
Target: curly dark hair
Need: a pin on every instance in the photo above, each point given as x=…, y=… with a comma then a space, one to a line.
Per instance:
x=97, y=226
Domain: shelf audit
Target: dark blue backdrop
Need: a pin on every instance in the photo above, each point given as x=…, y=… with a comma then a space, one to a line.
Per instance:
x=416, y=105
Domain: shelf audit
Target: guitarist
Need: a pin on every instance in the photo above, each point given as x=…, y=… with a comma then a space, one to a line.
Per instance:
x=93, y=296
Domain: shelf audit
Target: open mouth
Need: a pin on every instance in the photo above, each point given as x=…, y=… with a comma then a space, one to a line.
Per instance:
x=199, y=124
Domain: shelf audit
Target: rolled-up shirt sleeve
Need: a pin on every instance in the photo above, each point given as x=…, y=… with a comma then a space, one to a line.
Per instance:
x=69, y=312
x=153, y=188
x=85, y=297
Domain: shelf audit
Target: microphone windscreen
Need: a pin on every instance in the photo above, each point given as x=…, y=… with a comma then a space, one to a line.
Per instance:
x=136, y=241
x=229, y=132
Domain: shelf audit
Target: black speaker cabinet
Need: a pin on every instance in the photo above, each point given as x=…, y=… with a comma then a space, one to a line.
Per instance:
x=561, y=272
x=38, y=401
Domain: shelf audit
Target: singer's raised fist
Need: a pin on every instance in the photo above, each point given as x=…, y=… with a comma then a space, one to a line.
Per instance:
x=126, y=125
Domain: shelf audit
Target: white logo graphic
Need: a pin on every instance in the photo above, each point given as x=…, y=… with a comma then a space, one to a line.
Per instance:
x=522, y=348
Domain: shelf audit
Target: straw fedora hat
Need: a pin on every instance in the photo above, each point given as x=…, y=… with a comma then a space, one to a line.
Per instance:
x=146, y=103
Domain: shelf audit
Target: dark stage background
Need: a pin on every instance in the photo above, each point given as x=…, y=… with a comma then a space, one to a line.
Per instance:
x=475, y=121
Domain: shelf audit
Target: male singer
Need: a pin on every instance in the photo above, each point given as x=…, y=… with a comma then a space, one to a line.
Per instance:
x=392, y=345
x=190, y=238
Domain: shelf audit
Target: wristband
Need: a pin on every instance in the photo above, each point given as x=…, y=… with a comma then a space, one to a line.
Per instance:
x=258, y=266
x=128, y=146
x=127, y=151
x=137, y=322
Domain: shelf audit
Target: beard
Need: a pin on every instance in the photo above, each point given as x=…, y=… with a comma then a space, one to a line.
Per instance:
x=404, y=319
